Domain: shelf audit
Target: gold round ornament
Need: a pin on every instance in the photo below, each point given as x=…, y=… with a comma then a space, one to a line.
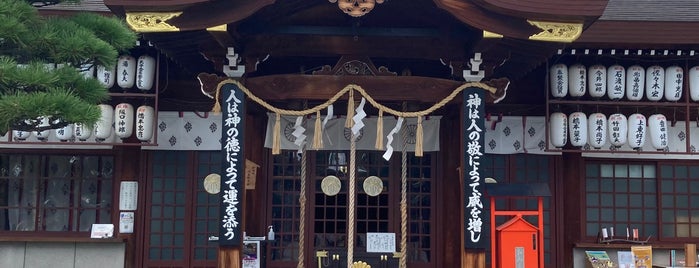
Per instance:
x=331, y=185
x=373, y=186
x=212, y=183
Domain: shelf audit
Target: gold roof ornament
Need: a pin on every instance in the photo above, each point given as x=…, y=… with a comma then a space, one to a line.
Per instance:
x=143, y=22
x=556, y=31
x=356, y=8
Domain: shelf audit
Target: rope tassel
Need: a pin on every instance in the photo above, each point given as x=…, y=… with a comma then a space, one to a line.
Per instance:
x=276, y=136
x=317, y=133
x=217, y=104
x=418, y=137
x=350, y=110
x=379, y=131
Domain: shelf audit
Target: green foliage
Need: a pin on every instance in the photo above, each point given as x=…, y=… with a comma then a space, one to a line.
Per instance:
x=28, y=41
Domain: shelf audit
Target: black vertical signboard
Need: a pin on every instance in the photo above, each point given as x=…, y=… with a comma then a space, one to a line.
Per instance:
x=475, y=215
x=233, y=169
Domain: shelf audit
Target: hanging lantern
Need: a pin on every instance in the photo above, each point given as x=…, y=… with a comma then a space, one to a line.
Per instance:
x=106, y=76
x=559, y=80
x=618, y=129
x=577, y=128
x=637, y=131
x=123, y=120
x=82, y=132
x=145, y=72
x=655, y=83
x=635, y=81
x=577, y=80
x=597, y=128
x=65, y=133
x=657, y=126
x=694, y=83
x=674, y=77
x=558, y=129
x=597, y=80
x=103, y=127
x=43, y=135
x=21, y=135
x=145, y=120
x=616, y=80
x=126, y=71
x=87, y=70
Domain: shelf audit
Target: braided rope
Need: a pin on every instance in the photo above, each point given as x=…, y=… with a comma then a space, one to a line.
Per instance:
x=403, y=261
x=302, y=214
x=352, y=190
x=348, y=88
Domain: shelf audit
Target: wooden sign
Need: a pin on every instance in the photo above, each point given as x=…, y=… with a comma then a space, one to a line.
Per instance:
x=233, y=169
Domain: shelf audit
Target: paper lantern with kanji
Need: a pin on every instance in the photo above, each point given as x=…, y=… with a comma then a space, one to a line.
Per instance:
x=126, y=72
x=655, y=83
x=637, y=131
x=635, y=82
x=657, y=127
x=618, y=129
x=145, y=72
x=558, y=133
x=694, y=83
x=577, y=80
x=558, y=80
x=145, y=120
x=616, y=82
x=44, y=134
x=577, y=129
x=82, y=132
x=123, y=120
x=21, y=135
x=106, y=76
x=103, y=127
x=674, y=78
x=65, y=133
x=597, y=128
x=597, y=80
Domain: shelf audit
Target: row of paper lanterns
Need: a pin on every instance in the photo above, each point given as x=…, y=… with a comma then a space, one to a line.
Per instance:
x=596, y=129
x=617, y=82
x=129, y=72
x=123, y=119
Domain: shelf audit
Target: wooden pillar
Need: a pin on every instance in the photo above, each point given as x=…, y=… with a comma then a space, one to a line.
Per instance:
x=571, y=178
x=690, y=255
x=473, y=259
x=129, y=170
x=229, y=257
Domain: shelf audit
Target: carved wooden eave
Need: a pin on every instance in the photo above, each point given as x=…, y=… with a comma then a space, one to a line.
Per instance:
x=641, y=34
x=194, y=15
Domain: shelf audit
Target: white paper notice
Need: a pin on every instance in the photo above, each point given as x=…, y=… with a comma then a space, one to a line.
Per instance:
x=381, y=242
x=102, y=231
x=128, y=195
x=126, y=221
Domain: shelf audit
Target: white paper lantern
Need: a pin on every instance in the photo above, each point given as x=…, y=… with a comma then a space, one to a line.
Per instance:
x=145, y=120
x=597, y=81
x=635, y=82
x=597, y=128
x=21, y=135
x=616, y=82
x=694, y=83
x=126, y=71
x=657, y=126
x=43, y=135
x=87, y=70
x=674, y=78
x=65, y=133
x=577, y=129
x=123, y=120
x=559, y=80
x=637, y=131
x=618, y=129
x=82, y=132
x=558, y=126
x=655, y=83
x=577, y=80
x=145, y=72
x=103, y=127
x=106, y=76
